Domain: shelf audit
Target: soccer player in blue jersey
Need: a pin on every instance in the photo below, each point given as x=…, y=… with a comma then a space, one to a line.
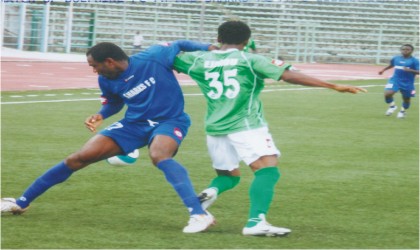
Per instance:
x=406, y=67
x=155, y=118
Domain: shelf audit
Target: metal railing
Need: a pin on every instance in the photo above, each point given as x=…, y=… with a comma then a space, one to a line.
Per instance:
x=300, y=31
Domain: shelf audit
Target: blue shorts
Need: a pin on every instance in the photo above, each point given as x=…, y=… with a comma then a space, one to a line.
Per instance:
x=132, y=135
x=406, y=91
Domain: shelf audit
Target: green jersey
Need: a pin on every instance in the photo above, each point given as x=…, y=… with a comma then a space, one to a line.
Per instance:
x=231, y=81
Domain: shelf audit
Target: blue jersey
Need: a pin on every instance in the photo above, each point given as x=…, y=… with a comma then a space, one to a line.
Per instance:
x=148, y=86
x=403, y=78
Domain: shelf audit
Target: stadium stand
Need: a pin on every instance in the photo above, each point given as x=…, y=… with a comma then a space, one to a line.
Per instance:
x=300, y=31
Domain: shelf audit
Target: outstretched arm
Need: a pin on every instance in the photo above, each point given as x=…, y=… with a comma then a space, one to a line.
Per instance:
x=185, y=45
x=384, y=69
x=302, y=79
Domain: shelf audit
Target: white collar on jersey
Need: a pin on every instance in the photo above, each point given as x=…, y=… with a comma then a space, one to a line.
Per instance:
x=224, y=51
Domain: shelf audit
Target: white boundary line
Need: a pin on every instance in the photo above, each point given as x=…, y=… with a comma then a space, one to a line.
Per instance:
x=197, y=94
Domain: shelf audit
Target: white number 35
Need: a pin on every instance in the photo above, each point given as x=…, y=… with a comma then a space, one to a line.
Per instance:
x=230, y=86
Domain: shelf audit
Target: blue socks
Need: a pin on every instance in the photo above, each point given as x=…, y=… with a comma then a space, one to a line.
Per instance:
x=406, y=105
x=175, y=174
x=178, y=177
x=53, y=176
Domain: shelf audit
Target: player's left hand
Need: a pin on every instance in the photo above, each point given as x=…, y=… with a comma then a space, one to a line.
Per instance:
x=93, y=122
x=349, y=89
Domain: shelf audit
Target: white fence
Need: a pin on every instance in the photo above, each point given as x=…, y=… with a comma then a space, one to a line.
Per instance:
x=350, y=31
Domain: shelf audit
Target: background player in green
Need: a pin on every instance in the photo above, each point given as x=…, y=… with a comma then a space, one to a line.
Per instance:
x=250, y=46
x=231, y=81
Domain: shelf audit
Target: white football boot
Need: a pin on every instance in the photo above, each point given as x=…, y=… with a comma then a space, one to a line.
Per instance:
x=391, y=110
x=199, y=223
x=207, y=197
x=263, y=228
x=8, y=205
x=401, y=114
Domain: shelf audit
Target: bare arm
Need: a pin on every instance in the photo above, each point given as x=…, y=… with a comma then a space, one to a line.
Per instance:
x=302, y=79
x=384, y=69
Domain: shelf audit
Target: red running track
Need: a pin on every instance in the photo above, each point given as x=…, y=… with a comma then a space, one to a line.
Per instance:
x=27, y=74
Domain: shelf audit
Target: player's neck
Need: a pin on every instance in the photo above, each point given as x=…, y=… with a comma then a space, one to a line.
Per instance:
x=232, y=46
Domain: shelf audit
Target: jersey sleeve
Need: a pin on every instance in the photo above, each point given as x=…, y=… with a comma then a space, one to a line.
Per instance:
x=184, y=45
x=267, y=68
x=183, y=62
x=111, y=103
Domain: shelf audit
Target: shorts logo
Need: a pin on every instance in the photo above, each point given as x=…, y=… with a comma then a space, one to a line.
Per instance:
x=178, y=133
x=152, y=123
x=115, y=125
x=277, y=62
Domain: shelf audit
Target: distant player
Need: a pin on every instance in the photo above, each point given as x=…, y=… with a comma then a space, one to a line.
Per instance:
x=137, y=43
x=250, y=46
x=236, y=129
x=155, y=118
x=406, y=68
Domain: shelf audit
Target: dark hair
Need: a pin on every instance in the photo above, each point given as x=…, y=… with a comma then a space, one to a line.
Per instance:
x=408, y=45
x=234, y=32
x=102, y=51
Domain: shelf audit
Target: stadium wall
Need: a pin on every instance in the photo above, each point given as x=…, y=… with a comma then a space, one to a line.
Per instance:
x=350, y=31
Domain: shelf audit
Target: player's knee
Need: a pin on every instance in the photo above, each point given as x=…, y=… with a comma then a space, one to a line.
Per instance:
x=158, y=153
x=388, y=95
x=157, y=156
x=76, y=161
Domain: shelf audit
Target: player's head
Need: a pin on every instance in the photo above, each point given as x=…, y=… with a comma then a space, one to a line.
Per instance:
x=234, y=32
x=407, y=50
x=107, y=59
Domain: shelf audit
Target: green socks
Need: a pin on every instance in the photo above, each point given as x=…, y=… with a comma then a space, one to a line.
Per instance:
x=261, y=193
x=224, y=182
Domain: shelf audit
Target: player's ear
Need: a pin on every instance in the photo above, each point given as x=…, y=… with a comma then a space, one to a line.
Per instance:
x=219, y=39
x=110, y=61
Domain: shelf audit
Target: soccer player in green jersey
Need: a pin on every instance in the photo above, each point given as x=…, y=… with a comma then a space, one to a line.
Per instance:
x=231, y=81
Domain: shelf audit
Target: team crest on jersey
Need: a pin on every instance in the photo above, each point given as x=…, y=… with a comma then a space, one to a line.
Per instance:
x=277, y=62
x=178, y=133
x=104, y=100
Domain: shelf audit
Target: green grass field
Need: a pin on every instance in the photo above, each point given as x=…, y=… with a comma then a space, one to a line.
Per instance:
x=350, y=177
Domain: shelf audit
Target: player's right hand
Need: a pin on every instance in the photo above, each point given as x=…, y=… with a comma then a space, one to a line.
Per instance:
x=213, y=47
x=93, y=122
x=349, y=89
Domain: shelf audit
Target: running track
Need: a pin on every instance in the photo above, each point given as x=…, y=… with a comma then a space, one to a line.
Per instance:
x=28, y=74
